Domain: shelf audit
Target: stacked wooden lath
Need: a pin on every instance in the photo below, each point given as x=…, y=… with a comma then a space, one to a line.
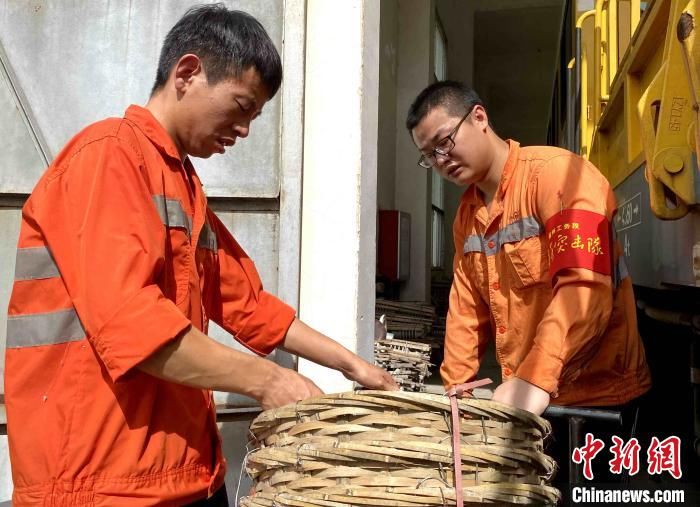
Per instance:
x=406, y=351
x=376, y=448
x=407, y=320
x=407, y=361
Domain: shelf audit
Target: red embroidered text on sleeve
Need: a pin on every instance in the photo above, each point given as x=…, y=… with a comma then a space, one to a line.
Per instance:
x=579, y=239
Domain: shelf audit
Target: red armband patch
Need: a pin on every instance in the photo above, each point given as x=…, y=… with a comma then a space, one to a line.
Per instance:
x=579, y=239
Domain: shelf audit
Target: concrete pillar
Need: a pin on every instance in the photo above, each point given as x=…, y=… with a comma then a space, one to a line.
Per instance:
x=415, y=72
x=340, y=177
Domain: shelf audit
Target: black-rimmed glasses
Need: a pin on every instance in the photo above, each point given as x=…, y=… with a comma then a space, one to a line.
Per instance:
x=443, y=147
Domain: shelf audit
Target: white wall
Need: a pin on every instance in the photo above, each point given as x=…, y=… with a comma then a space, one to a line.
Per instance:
x=340, y=178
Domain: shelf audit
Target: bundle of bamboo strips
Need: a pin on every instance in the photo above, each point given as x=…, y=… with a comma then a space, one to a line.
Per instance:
x=405, y=319
x=408, y=362
x=377, y=448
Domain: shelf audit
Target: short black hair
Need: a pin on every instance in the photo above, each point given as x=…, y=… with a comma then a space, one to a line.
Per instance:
x=457, y=98
x=227, y=41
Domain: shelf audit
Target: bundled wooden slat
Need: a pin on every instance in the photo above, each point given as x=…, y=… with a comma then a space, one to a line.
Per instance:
x=408, y=362
x=378, y=448
x=498, y=494
x=406, y=307
x=406, y=319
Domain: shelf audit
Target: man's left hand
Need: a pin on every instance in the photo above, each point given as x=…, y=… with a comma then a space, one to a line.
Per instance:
x=371, y=376
x=308, y=343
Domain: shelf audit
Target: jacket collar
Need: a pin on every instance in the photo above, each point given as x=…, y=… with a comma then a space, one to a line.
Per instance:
x=147, y=123
x=509, y=167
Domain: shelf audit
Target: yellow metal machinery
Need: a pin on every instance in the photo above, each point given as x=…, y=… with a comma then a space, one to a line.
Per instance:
x=644, y=106
x=636, y=91
x=638, y=84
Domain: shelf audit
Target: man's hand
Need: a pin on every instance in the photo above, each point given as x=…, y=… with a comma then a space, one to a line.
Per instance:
x=193, y=359
x=370, y=376
x=308, y=343
x=284, y=386
x=521, y=394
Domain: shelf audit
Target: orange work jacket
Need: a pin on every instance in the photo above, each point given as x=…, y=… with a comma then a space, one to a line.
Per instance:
x=118, y=254
x=543, y=274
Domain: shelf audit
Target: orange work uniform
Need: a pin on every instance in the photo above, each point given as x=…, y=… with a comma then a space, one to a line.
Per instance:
x=542, y=273
x=118, y=254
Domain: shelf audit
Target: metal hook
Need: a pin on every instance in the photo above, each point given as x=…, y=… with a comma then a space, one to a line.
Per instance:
x=441, y=470
x=434, y=479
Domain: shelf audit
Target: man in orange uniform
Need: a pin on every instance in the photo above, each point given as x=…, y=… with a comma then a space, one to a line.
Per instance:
x=120, y=267
x=537, y=266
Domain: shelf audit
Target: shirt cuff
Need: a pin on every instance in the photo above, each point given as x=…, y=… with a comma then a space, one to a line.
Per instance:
x=267, y=326
x=541, y=370
x=140, y=327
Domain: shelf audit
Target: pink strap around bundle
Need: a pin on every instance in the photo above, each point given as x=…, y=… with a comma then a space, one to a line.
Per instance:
x=456, y=392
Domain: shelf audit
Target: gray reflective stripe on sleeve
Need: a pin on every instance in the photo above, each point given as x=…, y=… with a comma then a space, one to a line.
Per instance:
x=172, y=214
x=35, y=263
x=524, y=228
x=207, y=238
x=43, y=329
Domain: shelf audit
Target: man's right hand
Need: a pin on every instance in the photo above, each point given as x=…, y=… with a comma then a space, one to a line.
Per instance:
x=193, y=359
x=283, y=387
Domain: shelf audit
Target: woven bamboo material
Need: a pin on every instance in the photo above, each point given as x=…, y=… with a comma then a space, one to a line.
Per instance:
x=379, y=448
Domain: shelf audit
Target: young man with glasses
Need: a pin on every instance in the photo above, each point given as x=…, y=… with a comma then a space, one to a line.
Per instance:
x=537, y=267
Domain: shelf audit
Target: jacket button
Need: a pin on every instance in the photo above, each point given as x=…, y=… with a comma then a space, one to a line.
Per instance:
x=496, y=286
x=502, y=329
x=491, y=244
